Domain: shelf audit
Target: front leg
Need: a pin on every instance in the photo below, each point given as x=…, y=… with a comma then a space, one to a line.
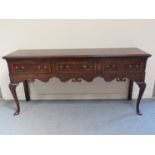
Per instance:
x=12, y=87
x=142, y=86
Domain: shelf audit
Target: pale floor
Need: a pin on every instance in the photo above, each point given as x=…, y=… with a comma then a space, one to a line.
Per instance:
x=78, y=117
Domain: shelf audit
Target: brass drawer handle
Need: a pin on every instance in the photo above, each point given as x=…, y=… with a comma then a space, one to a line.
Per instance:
x=111, y=67
x=64, y=66
x=87, y=67
x=19, y=68
x=44, y=68
x=134, y=66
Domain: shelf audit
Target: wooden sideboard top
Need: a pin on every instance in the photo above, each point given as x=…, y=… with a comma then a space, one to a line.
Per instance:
x=56, y=53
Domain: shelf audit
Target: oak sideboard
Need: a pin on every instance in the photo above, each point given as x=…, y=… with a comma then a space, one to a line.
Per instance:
x=77, y=64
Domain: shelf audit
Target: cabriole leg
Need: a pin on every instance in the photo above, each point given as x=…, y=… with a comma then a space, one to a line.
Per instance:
x=12, y=87
x=142, y=86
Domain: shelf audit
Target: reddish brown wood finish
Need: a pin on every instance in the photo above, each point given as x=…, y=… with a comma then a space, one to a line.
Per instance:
x=77, y=64
x=26, y=89
x=130, y=90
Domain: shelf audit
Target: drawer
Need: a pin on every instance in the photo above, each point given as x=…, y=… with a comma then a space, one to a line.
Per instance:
x=76, y=67
x=123, y=65
x=31, y=68
x=133, y=66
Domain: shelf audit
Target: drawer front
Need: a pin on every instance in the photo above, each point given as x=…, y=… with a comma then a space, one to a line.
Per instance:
x=75, y=67
x=133, y=66
x=31, y=68
x=123, y=65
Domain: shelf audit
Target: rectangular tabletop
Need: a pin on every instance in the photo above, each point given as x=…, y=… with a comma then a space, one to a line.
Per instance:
x=98, y=52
